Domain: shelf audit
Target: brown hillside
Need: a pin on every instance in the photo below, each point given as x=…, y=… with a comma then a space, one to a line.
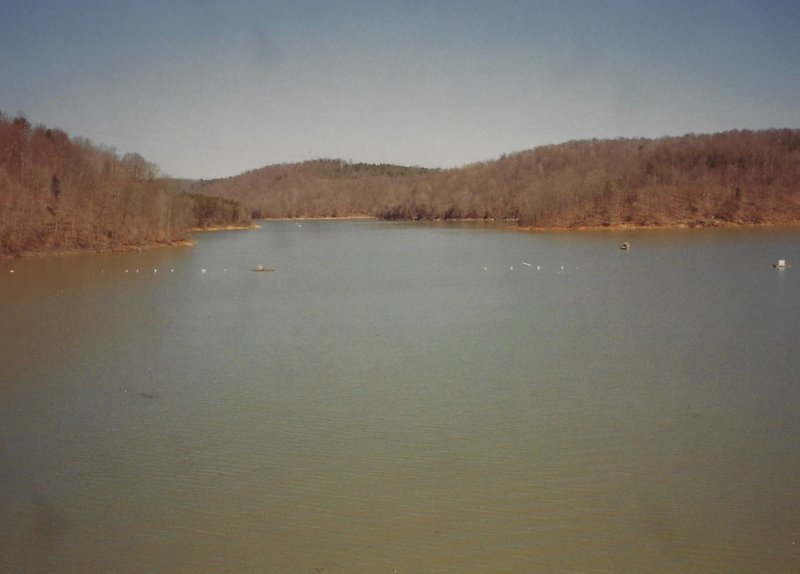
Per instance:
x=63, y=194
x=733, y=177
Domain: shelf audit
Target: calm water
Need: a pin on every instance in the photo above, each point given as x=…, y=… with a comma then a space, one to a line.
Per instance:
x=398, y=398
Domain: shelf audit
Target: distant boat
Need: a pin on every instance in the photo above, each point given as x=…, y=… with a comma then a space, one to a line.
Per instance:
x=625, y=246
x=262, y=268
x=781, y=264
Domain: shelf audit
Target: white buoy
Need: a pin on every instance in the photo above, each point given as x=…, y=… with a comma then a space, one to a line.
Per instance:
x=126, y=271
x=512, y=268
x=11, y=271
x=203, y=270
x=538, y=267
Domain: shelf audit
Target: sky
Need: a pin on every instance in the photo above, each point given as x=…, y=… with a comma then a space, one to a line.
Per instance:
x=211, y=89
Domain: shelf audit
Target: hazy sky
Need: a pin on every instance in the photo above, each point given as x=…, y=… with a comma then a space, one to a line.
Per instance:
x=211, y=89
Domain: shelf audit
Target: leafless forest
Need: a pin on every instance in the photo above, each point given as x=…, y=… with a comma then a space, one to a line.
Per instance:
x=705, y=180
x=63, y=194
x=59, y=193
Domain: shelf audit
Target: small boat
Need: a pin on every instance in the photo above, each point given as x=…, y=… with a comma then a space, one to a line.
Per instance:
x=625, y=246
x=781, y=264
x=262, y=268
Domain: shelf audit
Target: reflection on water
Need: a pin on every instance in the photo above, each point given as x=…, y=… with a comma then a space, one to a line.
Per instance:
x=401, y=397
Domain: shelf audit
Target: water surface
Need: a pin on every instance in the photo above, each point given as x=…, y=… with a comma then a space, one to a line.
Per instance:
x=404, y=398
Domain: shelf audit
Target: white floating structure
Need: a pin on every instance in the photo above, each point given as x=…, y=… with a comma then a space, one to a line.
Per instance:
x=781, y=264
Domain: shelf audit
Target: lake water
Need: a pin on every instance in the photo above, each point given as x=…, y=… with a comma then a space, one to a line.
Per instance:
x=405, y=398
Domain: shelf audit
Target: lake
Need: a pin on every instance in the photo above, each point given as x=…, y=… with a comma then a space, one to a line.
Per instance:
x=405, y=398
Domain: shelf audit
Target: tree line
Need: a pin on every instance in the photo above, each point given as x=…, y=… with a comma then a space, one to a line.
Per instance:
x=59, y=193
x=62, y=193
x=315, y=189
x=729, y=177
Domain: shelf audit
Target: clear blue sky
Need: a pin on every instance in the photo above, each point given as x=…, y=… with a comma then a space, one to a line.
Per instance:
x=211, y=89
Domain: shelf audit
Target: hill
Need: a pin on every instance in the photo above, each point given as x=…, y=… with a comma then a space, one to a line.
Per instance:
x=63, y=194
x=731, y=177
x=317, y=188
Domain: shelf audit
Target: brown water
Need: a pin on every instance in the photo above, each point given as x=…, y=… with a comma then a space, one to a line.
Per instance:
x=398, y=398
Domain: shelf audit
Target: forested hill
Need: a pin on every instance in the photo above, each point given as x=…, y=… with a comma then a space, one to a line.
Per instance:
x=59, y=193
x=63, y=194
x=317, y=188
x=728, y=177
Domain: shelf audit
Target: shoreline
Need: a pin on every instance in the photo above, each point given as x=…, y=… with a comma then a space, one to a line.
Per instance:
x=223, y=228
x=323, y=218
x=188, y=242
x=663, y=227
x=511, y=225
x=98, y=250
